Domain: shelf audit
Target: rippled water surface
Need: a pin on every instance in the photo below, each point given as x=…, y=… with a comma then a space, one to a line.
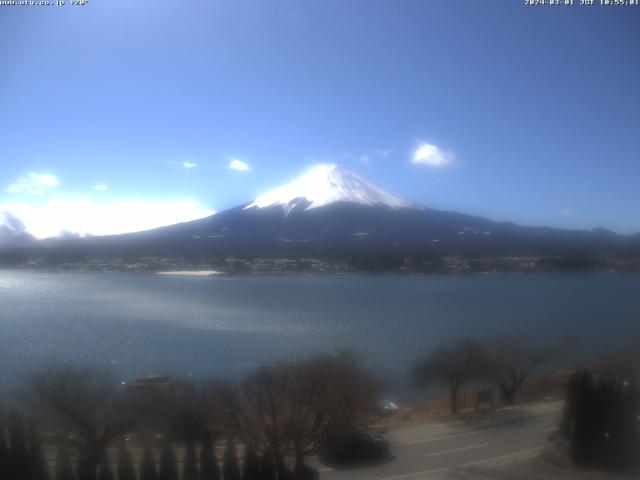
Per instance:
x=226, y=326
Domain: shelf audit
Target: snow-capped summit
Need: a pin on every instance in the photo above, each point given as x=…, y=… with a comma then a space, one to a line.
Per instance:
x=326, y=184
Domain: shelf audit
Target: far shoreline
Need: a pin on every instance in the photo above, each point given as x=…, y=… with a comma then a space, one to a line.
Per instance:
x=210, y=274
x=326, y=266
x=190, y=273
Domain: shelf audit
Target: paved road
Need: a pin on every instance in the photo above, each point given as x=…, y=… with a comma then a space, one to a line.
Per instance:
x=432, y=456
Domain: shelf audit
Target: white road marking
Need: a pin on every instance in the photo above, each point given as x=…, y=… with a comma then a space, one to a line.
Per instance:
x=475, y=432
x=443, y=437
x=462, y=465
x=444, y=452
x=325, y=469
x=547, y=430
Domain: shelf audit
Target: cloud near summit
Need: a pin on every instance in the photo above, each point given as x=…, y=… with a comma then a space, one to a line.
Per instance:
x=432, y=156
x=239, y=165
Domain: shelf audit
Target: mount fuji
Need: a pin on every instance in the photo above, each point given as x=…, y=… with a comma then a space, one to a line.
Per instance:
x=324, y=185
x=332, y=212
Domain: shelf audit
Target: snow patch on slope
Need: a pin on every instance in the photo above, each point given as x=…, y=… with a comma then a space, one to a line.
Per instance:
x=326, y=184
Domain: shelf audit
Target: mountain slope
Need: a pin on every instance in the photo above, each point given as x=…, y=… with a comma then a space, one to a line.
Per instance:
x=332, y=212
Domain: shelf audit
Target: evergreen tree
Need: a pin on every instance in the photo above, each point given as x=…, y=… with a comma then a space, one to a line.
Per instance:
x=598, y=421
x=568, y=413
x=621, y=425
x=267, y=470
x=190, y=462
x=230, y=468
x=209, y=469
x=85, y=469
x=18, y=451
x=126, y=470
x=282, y=471
x=4, y=453
x=604, y=404
x=304, y=472
x=251, y=464
x=37, y=461
x=148, y=464
x=64, y=470
x=580, y=431
x=168, y=467
x=105, y=471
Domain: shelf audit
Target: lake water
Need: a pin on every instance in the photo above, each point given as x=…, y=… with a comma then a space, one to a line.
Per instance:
x=227, y=326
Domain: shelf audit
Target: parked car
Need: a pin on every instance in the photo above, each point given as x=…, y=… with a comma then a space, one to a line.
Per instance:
x=388, y=407
x=352, y=447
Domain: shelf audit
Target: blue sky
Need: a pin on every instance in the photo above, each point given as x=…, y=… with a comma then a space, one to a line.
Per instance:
x=136, y=109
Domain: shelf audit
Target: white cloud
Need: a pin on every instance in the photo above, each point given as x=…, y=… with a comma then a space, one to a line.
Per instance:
x=101, y=186
x=365, y=157
x=85, y=216
x=33, y=184
x=239, y=165
x=565, y=212
x=184, y=164
x=432, y=156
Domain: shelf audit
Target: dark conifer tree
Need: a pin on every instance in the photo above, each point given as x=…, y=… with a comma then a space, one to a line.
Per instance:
x=568, y=413
x=148, y=464
x=251, y=464
x=209, y=469
x=604, y=404
x=126, y=470
x=64, y=469
x=230, y=467
x=304, y=472
x=37, y=461
x=581, y=431
x=105, y=472
x=190, y=462
x=168, y=466
x=622, y=428
x=267, y=469
x=85, y=469
x=282, y=472
x=599, y=421
x=4, y=453
x=18, y=451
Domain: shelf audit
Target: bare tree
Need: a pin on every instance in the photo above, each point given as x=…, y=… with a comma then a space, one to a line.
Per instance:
x=326, y=393
x=292, y=406
x=510, y=361
x=452, y=365
x=84, y=407
x=179, y=409
x=264, y=395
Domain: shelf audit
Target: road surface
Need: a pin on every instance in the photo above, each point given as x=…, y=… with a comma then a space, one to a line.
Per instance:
x=426, y=452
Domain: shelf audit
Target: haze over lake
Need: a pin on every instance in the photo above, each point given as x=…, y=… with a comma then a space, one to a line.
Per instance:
x=226, y=326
